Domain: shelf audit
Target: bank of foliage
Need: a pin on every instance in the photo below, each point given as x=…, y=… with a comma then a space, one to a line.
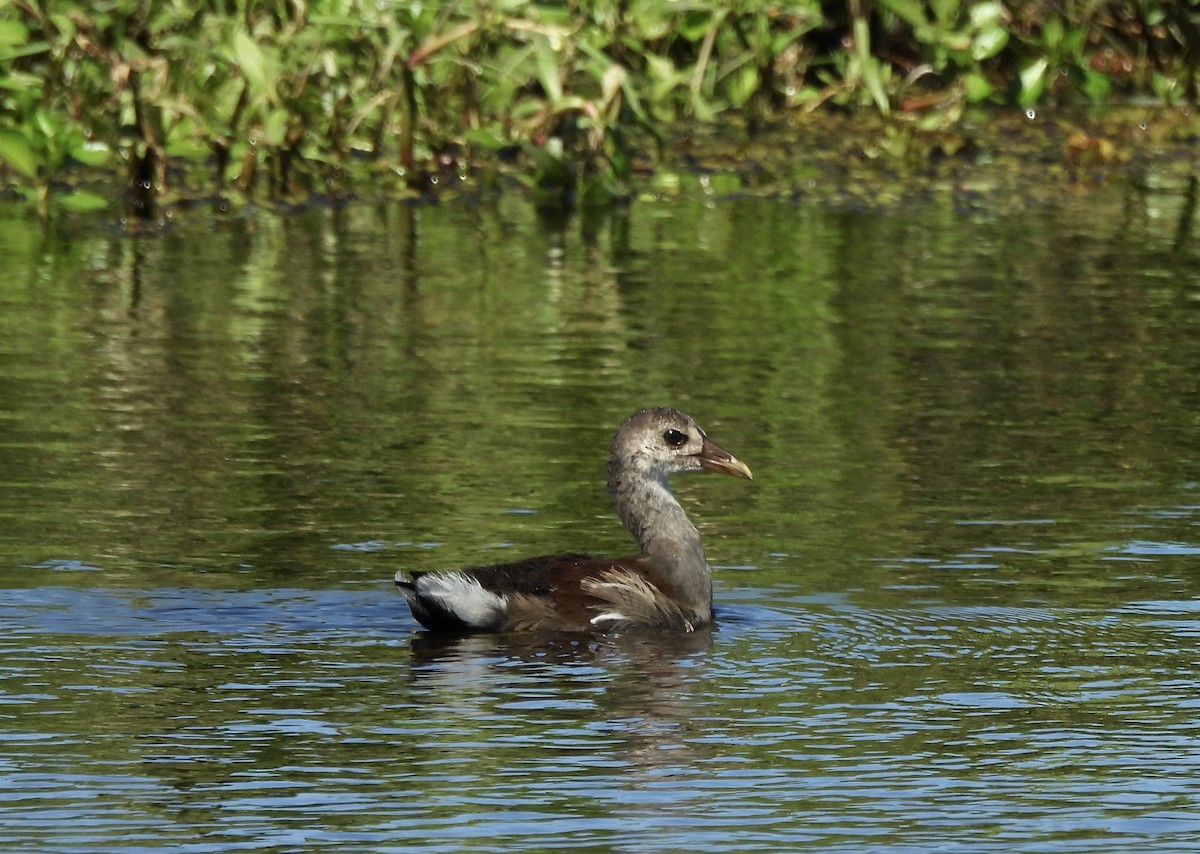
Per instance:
x=284, y=99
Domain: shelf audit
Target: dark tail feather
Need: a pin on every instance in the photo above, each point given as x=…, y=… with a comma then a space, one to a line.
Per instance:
x=408, y=585
x=429, y=612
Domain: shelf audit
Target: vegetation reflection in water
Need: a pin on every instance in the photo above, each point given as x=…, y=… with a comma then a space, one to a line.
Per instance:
x=956, y=609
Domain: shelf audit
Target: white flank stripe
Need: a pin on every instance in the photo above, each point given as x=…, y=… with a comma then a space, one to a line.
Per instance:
x=609, y=616
x=464, y=597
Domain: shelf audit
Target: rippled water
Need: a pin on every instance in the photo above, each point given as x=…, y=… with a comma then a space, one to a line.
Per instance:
x=958, y=607
x=297, y=718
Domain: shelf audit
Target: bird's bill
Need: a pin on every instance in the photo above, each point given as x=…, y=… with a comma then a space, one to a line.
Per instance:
x=715, y=458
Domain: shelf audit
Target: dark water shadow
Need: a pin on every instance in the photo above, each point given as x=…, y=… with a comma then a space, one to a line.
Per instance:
x=642, y=650
x=641, y=689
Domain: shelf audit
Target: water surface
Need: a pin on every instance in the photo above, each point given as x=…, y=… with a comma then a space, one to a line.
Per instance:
x=957, y=607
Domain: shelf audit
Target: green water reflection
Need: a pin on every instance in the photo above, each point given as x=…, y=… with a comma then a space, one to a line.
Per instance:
x=957, y=605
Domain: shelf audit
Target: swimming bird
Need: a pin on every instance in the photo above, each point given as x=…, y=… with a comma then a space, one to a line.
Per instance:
x=667, y=585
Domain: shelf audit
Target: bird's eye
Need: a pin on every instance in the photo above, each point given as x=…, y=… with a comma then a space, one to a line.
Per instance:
x=674, y=438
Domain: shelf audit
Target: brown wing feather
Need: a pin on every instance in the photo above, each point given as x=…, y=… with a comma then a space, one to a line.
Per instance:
x=534, y=576
x=576, y=592
x=629, y=599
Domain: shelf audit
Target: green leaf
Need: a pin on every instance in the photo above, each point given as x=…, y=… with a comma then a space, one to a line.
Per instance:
x=47, y=125
x=702, y=109
x=870, y=67
x=988, y=42
x=612, y=81
x=91, y=154
x=547, y=66
x=193, y=150
x=81, y=201
x=483, y=139
x=275, y=127
x=253, y=64
x=31, y=49
x=176, y=43
x=1033, y=82
x=912, y=12
x=663, y=77
x=1072, y=42
x=16, y=151
x=64, y=25
x=332, y=20
x=977, y=87
x=693, y=25
x=1093, y=84
x=1052, y=33
x=13, y=33
x=742, y=85
x=987, y=15
x=651, y=22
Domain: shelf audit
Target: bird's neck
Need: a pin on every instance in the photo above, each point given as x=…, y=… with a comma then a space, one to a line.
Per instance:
x=668, y=539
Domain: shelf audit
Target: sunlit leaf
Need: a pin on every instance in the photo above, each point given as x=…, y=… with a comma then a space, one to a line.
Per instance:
x=275, y=127
x=81, y=201
x=547, y=66
x=976, y=87
x=253, y=64
x=988, y=42
x=1052, y=32
x=611, y=82
x=702, y=108
x=47, y=125
x=63, y=24
x=1073, y=42
x=13, y=33
x=1033, y=81
x=871, y=69
x=987, y=15
x=742, y=85
x=694, y=24
x=187, y=148
x=130, y=50
x=651, y=21
x=176, y=42
x=912, y=12
x=92, y=154
x=663, y=76
x=16, y=151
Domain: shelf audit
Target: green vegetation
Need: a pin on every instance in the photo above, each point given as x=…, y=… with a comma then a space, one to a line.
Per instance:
x=286, y=100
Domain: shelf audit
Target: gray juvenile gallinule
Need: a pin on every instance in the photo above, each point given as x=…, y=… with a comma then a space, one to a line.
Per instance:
x=668, y=584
